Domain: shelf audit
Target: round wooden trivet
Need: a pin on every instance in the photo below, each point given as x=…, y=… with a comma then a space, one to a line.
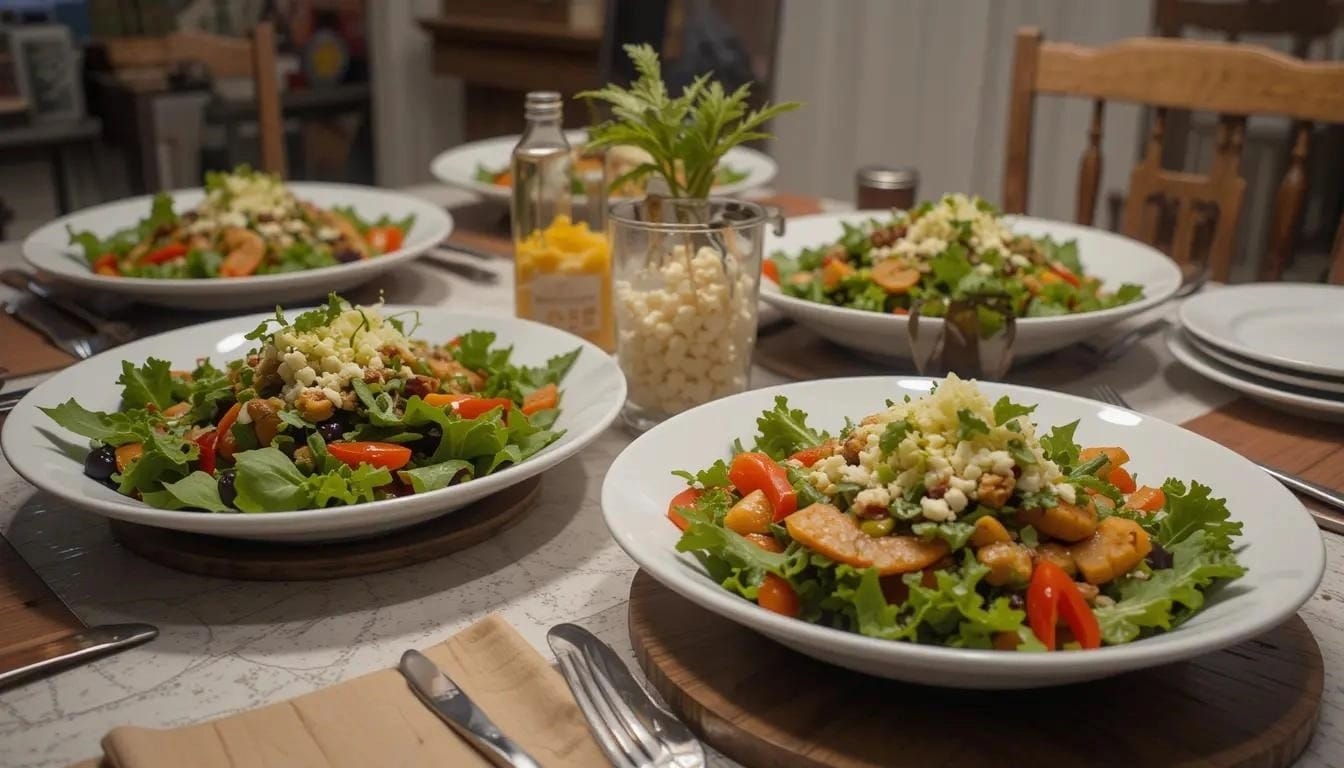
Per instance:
x=270, y=561
x=1254, y=704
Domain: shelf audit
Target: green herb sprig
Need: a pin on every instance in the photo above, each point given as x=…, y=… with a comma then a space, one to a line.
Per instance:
x=689, y=133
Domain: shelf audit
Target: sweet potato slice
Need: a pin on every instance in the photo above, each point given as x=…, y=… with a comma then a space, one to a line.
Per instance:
x=1114, y=550
x=825, y=529
x=1065, y=521
x=894, y=277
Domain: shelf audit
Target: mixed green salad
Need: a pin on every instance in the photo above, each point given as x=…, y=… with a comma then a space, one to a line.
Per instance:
x=339, y=405
x=249, y=223
x=948, y=520
x=955, y=248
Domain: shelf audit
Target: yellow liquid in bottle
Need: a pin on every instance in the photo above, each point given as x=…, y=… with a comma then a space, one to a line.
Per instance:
x=563, y=279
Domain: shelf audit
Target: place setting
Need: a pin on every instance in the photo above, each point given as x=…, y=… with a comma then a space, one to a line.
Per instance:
x=633, y=454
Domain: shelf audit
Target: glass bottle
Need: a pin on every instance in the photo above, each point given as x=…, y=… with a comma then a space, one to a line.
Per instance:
x=562, y=268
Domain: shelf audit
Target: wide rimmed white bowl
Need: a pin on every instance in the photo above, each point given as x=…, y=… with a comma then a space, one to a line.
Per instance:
x=1281, y=547
x=48, y=249
x=1113, y=258
x=457, y=166
x=593, y=393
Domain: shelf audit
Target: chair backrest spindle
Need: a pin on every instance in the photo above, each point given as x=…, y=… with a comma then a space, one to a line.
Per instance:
x=1179, y=211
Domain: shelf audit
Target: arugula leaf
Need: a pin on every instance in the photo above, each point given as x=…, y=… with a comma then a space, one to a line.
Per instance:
x=781, y=432
x=551, y=373
x=161, y=216
x=1024, y=456
x=436, y=476
x=1028, y=536
x=950, y=266
x=1006, y=410
x=1059, y=445
x=208, y=389
x=1094, y=483
x=268, y=481
x=956, y=533
x=714, y=477
x=968, y=425
x=198, y=490
x=894, y=433
x=803, y=488
x=164, y=458
x=80, y=420
x=1168, y=595
x=150, y=384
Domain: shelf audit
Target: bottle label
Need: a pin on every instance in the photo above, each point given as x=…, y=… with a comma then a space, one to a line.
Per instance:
x=569, y=302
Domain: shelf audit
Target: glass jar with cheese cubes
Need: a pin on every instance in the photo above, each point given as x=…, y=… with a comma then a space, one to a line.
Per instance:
x=562, y=267
x=687, y=276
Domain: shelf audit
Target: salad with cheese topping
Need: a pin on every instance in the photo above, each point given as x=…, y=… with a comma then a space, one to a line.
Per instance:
x=249, y=223
x=338, y=405
x=957, y=247
x=949, y=520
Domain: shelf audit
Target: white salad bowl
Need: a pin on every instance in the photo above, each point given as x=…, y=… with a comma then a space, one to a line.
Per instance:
x=51, y=458
x=49, y=250
x=1113, y=258
x=1280, y=546
x=457, y=166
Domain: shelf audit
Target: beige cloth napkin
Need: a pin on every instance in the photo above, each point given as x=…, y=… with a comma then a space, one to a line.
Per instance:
x=24, y=351
x=376, y=720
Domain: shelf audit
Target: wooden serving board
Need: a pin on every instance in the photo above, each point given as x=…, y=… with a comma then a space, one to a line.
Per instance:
x=1252, y=705
x=269, y=561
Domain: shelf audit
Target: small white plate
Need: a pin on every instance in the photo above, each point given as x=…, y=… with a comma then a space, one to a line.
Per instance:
x=1113, y=258
x=1280, y=546
x=1287, y=325
x=592, y=394
x=1283, y=396
x=48, y=249
x=457, y=166
x=1310, y=382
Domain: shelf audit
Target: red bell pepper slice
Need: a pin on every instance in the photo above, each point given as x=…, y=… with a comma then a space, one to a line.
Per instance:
x=686, y=498
x=1052, y=594
x=386, y=455
x=770, y=270
x=756, y=471
x=384, y=239
x=166, y=253
x=207, y=441
x=1068, y=274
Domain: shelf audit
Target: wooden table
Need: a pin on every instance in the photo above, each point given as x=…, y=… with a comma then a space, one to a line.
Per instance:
x=227, y=646
x=500, y=60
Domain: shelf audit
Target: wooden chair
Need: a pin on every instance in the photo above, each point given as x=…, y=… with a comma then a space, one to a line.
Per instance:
x=1231, y=79
x=252, y=57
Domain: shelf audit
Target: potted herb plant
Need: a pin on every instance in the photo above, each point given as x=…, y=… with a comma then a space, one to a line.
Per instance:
x=686, y=265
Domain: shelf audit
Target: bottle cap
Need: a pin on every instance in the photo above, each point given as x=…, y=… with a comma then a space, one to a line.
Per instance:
x=543, y=105
x=886, y=177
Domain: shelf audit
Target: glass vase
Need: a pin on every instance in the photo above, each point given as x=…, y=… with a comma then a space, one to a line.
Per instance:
x=687, y=277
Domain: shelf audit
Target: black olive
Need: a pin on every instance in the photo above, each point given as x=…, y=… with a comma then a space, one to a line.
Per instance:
x=1159, y=558
x=347, y=255
x=430, y=442
x=227, y=493
x=101, y=463
x=331, y=430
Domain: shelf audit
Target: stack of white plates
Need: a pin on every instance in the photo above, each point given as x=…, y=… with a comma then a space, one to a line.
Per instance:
x=1282, y=343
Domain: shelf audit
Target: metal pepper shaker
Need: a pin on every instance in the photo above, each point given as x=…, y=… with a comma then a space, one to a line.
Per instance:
x=881, y=186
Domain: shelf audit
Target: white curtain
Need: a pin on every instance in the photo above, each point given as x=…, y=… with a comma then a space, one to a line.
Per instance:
x=925, y=83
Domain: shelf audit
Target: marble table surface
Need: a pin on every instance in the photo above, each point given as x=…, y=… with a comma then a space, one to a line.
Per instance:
x=225, y=646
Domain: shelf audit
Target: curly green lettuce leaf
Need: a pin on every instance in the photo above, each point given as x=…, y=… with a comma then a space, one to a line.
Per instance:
x=1187, y=512
x=146, y=385
x=1168, y=595
x=714, y=477
x=781, y=431
x=1006, y=410
x=1060, y=447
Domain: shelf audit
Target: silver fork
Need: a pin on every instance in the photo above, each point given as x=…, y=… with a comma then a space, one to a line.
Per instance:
x=632, y=730
x=1330, y=522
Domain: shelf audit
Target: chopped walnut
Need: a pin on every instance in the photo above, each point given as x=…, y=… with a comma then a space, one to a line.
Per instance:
x=995, y=489
x=850, y=450
x=421, y=385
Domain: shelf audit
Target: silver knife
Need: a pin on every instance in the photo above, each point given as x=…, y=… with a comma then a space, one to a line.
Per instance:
x=72, y=649
x=455, y=708
x=64, y=333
